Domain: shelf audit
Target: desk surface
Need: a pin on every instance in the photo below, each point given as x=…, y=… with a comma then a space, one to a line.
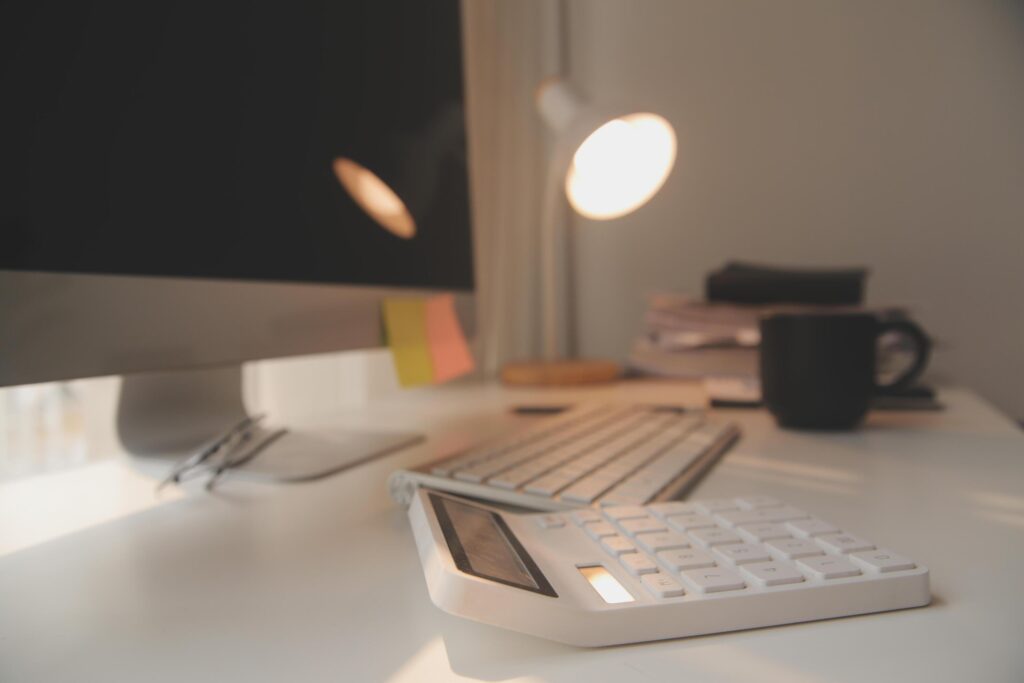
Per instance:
x=321, y=581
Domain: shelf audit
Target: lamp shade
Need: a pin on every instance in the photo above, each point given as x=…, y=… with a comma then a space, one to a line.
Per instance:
x=614, y=161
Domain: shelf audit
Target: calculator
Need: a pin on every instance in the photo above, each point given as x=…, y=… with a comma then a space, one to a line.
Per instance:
x=631, y=573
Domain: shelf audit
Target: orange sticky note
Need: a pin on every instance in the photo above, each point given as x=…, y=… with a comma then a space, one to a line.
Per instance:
x=405, y=321
x=448, y=349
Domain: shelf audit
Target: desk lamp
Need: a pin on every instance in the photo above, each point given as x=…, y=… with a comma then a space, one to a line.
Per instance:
x=610, y=162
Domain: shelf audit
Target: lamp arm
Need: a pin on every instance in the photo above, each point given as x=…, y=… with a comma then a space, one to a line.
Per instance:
x=558, y=105
x=555, y=259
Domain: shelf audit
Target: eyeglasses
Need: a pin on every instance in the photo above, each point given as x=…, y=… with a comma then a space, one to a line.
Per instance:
x=241, y=443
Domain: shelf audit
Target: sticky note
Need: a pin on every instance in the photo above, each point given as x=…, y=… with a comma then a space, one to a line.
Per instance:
x=405, y=321
x=449, y=352
x=427, y=343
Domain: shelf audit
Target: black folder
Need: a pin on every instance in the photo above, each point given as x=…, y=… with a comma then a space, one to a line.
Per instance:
x=746, y=283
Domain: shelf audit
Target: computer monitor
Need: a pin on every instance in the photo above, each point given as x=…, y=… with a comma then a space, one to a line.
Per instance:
x=186, y=187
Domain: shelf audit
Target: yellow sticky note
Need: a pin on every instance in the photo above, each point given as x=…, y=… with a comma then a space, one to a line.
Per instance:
x=448, y=349
x=405, y=321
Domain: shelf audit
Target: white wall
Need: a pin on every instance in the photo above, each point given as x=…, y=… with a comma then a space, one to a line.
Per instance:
x=888, y=133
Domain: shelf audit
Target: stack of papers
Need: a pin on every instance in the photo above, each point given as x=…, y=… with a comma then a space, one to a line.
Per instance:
x=678, y=323
x=683, y=337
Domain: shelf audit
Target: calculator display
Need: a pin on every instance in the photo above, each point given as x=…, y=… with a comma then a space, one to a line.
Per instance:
x=482, y=544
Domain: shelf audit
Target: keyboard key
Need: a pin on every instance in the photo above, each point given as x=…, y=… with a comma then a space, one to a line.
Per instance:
x=585, y=490
x=688, y=522
x=882, y=561
x=828, y=567
x=447, y=467
x=598, y=530
x=754, y=502
x=742, y=553
x=517, y=476
x=646, y=492
x=638, y=564
x=551, y=521
x=806, y=528
x=549, y=484
x=620, y=496
x=586, y=515
x=673, y=507
x=474, y=474
x=714, y=580
x=792, y=548
x=662, y=585
x=710, y=507
x=618, y=545
x=625, y=512
x=772, y=573
x=715, y=536
x=686, y=558
x=641, y=526
x=765, y=531
x=663, y=540
x=844, y=543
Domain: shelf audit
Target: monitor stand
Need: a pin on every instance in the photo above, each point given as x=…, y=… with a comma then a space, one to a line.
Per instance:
x=164, y=418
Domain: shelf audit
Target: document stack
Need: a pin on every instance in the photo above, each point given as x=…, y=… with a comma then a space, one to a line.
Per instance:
x=687, y=338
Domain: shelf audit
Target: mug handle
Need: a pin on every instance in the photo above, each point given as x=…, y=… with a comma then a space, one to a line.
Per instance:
x=923, y=346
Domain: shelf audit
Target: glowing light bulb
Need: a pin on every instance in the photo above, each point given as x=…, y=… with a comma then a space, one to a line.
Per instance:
x=620, y=166
x=375, y=197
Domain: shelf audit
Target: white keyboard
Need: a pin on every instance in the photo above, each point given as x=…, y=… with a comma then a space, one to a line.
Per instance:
x=636, y=573
x=591, y=455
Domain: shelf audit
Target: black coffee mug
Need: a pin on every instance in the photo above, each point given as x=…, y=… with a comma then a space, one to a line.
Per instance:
x=818, y=370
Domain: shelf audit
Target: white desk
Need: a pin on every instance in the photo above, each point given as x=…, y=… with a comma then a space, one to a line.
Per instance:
x=321, y=581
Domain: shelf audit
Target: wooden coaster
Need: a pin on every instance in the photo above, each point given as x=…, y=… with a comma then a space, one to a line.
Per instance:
x=560, y=372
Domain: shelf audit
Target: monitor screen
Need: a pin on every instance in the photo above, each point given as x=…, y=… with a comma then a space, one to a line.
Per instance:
x=210, y=140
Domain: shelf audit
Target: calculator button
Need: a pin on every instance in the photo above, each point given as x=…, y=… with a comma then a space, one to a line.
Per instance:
x=780, y=513
x=641, y=526
x=661, y=540
x=638, y=564
x=598, y=530
x=772, y=573
x=662, y=585
x=792, y=548
x=710, y=507
x=617, y=545
x=584, y=516
x=754, y=502
x=686, y=558
x=882, y=561
x=805, y=528
x=714, y=580
x=663, y=510
x=550, y=521
x=844, y=543
x=687, y=522
x=829, y=567
x=742, y=553
x=764, y=531
x=715, y=536
x=620, y=512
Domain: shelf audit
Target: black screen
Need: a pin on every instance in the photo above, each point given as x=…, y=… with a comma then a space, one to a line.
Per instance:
x=197, y=139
